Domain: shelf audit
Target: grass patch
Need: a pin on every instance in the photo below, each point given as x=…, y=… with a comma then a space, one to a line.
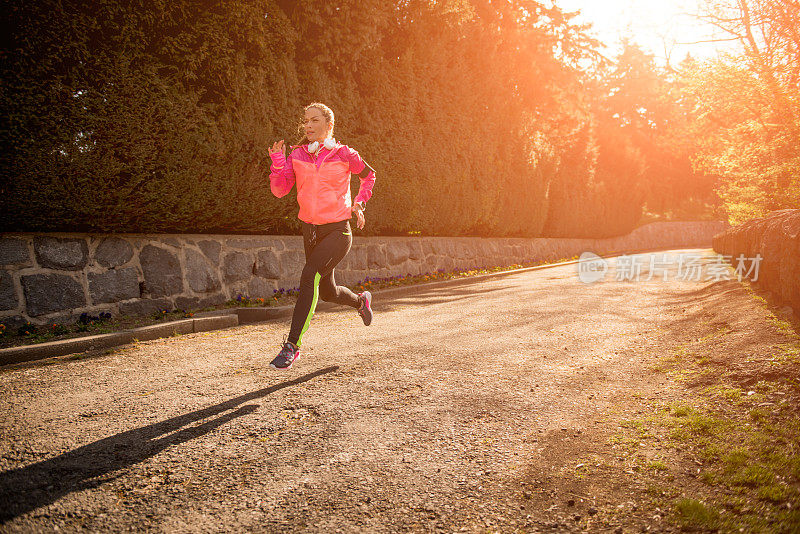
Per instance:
x=709, y=478
x=751, y=459
x=775, y=493
x=657, y=465
x=660, y=491
x=695, y=514
x=725, y=393
x=753, y=476
x=740, y=439
x=782, y=325
x=681, y=410
x=787, y=353
x=735, y=459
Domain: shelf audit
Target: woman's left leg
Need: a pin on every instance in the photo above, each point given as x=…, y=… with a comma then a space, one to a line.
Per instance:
x=317, y=277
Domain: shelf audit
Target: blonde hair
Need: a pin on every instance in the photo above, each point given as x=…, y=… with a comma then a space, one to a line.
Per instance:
x=326, y=112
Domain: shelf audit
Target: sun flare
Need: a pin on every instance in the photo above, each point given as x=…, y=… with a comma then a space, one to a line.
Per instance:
x=668, y=29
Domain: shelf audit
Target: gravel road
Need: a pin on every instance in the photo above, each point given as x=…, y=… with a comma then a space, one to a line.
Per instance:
x=462, y=408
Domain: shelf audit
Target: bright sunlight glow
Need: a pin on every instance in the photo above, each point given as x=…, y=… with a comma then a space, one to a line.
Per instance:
x=666, y=28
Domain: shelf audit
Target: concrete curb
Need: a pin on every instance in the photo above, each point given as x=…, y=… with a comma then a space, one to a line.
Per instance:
x=227, y=319
x=63, y=347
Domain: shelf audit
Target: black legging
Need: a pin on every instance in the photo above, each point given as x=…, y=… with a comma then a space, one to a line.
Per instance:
x=325, y=246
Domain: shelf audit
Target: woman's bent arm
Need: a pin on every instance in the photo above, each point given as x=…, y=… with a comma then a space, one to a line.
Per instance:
x=281, y=176
x=366, y=175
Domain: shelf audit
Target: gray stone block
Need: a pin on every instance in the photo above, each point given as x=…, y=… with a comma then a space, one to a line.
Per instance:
x=8, y=295
x=171, y=241
x=447, y=263
x=144, y=306
x=491, y=248
x=72, y=318
x=237, y=266
x=250, y=243
x=268, y=265
x=456, y=250
x=187, y=303
x=260, y=288
x=201, y=276
x=473, y=255
x=383, y=273
x=48, y=293
x=13, y=322
x=58, y=253
x=428, y=266
x=162, y=272
x=415, y=250
x=211, y=249
x=292, y=262
x=375, y=257
x=212, y=300
x=357, y=258
x=114, y=285
x=343, y=265
x=359, y=275
x=349, y=278
x=235, y=289
x=396, y=253
x=113, y=252
x=409, y=267
x=14, y=252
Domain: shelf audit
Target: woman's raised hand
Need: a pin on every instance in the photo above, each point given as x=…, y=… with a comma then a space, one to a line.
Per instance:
x=277, y=148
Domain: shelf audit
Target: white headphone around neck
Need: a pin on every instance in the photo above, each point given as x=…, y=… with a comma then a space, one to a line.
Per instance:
x=329, y=143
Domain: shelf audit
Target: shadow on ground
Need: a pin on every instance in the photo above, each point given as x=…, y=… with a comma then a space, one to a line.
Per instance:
x=87, y=467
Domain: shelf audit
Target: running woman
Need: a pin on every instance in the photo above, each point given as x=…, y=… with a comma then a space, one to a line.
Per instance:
x=321, y=167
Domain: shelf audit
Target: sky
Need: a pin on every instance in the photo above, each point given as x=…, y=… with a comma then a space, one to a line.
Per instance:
x=651, y=24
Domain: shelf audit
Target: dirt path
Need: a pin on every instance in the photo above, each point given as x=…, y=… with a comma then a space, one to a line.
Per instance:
x=486, y=406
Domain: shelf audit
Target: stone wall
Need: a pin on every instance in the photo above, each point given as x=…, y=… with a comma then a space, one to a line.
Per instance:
x=776, y=237
x=48, y=278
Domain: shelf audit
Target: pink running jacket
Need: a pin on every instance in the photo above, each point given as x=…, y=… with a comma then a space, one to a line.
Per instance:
x=323, y=181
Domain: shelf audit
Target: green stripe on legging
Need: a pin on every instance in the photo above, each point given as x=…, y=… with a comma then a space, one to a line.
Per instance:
x=310, y=311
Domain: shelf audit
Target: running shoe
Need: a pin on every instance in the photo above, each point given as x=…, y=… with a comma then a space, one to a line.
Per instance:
x=286, y=357
x=365, y=311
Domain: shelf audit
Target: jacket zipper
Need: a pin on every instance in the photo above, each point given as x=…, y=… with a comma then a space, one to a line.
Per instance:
x=316, y=192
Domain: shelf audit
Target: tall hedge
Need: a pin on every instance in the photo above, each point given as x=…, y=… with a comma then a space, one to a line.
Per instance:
x=144, y=116
x=156, y=116
x=598, y=189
